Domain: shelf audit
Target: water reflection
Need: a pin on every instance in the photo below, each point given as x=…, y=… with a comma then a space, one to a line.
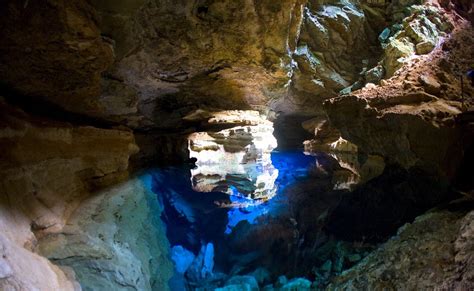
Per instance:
x=311, y=225
x=245, y=207
x=236, y=161
x=290, y=166
x=273, y=232
x=194, y=217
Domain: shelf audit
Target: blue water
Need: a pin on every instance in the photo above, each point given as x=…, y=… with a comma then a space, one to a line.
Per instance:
x=291, y=166
x=183, y=205
x=239, y=240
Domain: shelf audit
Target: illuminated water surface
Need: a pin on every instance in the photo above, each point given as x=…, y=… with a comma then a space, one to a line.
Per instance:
x=224, y=221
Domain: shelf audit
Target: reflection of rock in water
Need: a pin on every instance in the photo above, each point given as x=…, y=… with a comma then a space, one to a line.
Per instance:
x=236, y=160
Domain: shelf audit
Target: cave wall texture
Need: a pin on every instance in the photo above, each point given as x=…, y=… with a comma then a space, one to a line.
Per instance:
x=86, y=84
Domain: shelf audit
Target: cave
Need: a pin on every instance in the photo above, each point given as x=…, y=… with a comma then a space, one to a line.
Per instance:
x=236, y=145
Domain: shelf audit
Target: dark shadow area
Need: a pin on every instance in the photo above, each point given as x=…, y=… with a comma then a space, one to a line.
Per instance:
x=375, y=211
x=289, y=132
x=307, y=230
x=38, y=106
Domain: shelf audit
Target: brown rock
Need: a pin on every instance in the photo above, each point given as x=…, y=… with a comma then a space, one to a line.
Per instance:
x=402, y=133
x=54, y=51
x=424, y=47
x=430, y=84
x=49, y=167
x=421, y=255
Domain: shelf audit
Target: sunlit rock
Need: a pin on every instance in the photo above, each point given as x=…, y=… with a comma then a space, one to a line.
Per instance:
x=419, y=33
x=236, y=160
x=119, y=239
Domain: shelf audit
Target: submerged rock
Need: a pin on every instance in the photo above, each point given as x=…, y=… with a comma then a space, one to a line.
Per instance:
x=298, y=284
x=243, y=282
x=182, y=258
x=203, y=265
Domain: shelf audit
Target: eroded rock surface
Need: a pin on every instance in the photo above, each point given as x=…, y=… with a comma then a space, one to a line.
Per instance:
x=115, y=240
x=431, y=253
x=418, y=34
x=411, y=118
x=338, y=39
x=164, y=68
x=47, y=168
x=54, y=51
x=17, y=261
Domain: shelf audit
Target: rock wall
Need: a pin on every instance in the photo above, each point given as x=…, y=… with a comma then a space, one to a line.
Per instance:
x=413, y=119
x=110, y=241
x=338, y=40
x=54, y=51
x=230, y=55
x=146, y=65
x=17, y=261
x=115, y=240
x=48, y=168
x=433, y=252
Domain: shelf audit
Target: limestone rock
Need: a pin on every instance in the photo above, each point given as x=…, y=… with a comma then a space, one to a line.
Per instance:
x=297, y=284
x=424, y=47
x=115, y=240
x=430, y=84
x=419, y=33
x=54, y=52
x=230, y=55
x=396, y=53
x=402, y=121
x=49, y=167
x=21, y=269
x=421, y=255
x=337, y=40
x=182, y=258
x=244, y=282
x=375, y=74
x=404, y=137
x=161, y=59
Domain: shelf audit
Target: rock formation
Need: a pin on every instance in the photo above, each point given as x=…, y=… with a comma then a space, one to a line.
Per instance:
x=114, y=240
x=93, y=90
x=48, y=168
x=399, y=123
x=444, y=239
